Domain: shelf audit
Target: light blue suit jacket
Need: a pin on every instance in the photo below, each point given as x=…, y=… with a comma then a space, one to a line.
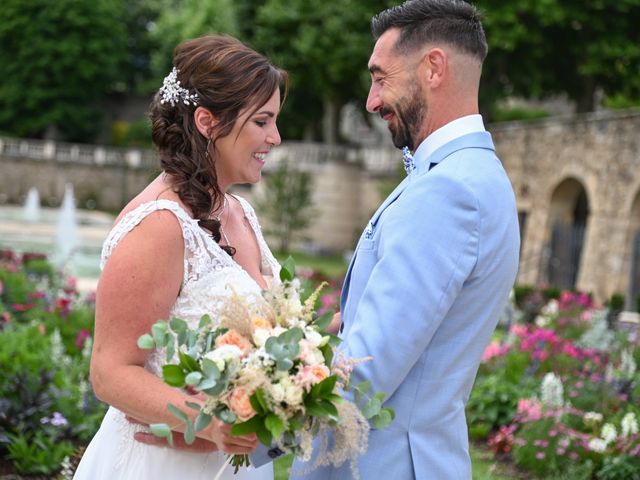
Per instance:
x=422, y=295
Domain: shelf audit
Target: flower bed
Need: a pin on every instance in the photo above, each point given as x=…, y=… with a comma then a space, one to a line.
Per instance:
x=47, y=408
x=558, y=390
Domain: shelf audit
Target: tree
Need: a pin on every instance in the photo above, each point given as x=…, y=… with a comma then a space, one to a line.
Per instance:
x=325, y=47
x=537, y=49
x=285, y=203
x=58, y=60
x=184, y=19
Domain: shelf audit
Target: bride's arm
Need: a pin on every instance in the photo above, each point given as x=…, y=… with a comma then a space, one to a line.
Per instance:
x=138, y=286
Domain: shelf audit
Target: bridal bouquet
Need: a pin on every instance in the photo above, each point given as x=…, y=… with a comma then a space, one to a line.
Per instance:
x=268, y=367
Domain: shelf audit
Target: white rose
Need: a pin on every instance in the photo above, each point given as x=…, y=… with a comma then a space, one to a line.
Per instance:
x=222, y=354
x=277, y=393
x=313, y=337
x=629, y=424
x=314, y=357
x=260, y=336
x=293, y=394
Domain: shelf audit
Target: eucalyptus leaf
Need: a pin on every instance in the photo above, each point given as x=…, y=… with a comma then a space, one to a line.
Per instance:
x=162, y=430
x=189, y=434
x=210, y=369
x=146, y=342
x=227, y=416
x=284, y=364
x=179, y=414
x=383, y=419
x=193, y=406
x=159, y=332
x=371, y=407
x=178, y=325
x=193, y=378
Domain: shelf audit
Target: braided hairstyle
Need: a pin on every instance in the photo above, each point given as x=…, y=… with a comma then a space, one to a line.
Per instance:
x=228, y=78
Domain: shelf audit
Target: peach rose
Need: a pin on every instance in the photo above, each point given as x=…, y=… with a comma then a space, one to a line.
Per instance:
x=240, y=405
x=261, y=322
x=232, y=337
x=309, y=375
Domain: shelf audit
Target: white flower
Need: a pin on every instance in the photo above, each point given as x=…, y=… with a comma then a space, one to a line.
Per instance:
x=550, y=308
x=627, y=365
x=609, y=433
x=313, y=337
x=542, y=321
x=293, y=394
x=222, y=354
x=592, y=417
x=552, y=391
x=277, y=392
x=260, y=336
x=629, y=424
x=597, y=445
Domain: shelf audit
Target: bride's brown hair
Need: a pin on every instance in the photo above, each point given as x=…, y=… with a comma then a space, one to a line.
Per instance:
x=228, y=78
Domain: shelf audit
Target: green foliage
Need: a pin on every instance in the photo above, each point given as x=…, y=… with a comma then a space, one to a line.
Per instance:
x=286, y=203
x=325, y=47
x=622, y=466
x=37, y=453
x=58, y=60
x=180, y=20
x=537, y=49
x=517, y=113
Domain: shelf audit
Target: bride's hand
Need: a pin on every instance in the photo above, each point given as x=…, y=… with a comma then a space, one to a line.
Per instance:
x=200, y=445
x=220, y=433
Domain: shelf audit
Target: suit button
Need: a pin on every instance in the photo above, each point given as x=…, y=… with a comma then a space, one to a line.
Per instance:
x=341, y=326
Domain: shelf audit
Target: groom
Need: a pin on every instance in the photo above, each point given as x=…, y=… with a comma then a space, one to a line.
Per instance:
x=434, y=266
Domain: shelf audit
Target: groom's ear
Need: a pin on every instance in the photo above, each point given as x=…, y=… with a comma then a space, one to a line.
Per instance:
x=205, y=121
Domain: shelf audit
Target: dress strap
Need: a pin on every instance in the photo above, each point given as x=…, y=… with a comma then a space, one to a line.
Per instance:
x=133, y=218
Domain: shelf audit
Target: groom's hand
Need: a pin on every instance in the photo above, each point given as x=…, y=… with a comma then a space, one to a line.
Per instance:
x=334, y=326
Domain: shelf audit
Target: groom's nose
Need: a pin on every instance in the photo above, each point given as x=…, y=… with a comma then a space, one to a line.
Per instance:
x=373, y=100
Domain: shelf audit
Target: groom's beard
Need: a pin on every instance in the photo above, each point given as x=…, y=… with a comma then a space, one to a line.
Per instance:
x=410, y=113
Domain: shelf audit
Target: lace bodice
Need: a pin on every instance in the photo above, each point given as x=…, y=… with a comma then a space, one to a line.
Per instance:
x=208, y=270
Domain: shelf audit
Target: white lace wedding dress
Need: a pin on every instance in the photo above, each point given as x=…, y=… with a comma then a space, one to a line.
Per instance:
x=113, y=454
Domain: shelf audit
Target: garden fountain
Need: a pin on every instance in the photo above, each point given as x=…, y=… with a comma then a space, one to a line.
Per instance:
x=66, y=242
x=71, y=237
x=31, y=211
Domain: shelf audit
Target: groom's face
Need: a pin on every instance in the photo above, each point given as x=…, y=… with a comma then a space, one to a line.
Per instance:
x=395, y=93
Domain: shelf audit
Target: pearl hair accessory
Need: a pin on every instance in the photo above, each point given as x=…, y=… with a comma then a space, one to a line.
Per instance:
x=172, y=92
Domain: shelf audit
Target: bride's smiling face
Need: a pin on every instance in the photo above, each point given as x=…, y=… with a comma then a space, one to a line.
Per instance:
x=240, y=155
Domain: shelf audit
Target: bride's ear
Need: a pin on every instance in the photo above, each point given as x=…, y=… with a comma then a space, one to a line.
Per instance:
x=205, y=121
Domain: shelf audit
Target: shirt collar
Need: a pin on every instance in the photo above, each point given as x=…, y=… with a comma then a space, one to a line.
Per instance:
x=447, y=133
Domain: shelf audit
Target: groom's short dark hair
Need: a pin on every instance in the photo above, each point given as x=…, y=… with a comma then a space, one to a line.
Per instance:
x=424, y=21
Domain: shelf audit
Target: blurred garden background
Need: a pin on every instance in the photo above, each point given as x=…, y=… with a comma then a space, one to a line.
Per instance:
x=558, y=393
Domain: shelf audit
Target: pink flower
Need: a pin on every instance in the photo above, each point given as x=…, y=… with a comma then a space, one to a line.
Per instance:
x=309, y=375
x=494, y=349
x=529, y=409
x=518, y=330
x=82, y=337
x=232, y=337
x=540, y=455
x=573, y=455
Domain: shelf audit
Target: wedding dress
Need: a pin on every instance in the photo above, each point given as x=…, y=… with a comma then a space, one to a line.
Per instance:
x=113, y=454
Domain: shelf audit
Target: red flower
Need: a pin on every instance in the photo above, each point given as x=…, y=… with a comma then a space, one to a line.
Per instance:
x=82, y=337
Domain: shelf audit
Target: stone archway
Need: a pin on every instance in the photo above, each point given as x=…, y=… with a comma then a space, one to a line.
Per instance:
x=633, y=294
x=569, y=214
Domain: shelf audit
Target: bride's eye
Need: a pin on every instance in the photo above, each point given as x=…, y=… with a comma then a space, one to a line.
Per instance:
x=261, y=123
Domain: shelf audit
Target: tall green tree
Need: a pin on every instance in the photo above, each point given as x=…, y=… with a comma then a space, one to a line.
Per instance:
x=184, y=19
x=325, y=46
x=58, y=59
x=546, y=47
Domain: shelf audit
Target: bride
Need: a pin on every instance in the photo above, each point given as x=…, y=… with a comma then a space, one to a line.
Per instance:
x=177, y=247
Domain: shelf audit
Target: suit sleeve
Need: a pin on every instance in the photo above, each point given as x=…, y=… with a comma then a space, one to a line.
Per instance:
x=428, y=247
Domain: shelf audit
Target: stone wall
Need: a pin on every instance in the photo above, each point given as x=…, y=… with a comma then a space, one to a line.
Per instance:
x=577, y=171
